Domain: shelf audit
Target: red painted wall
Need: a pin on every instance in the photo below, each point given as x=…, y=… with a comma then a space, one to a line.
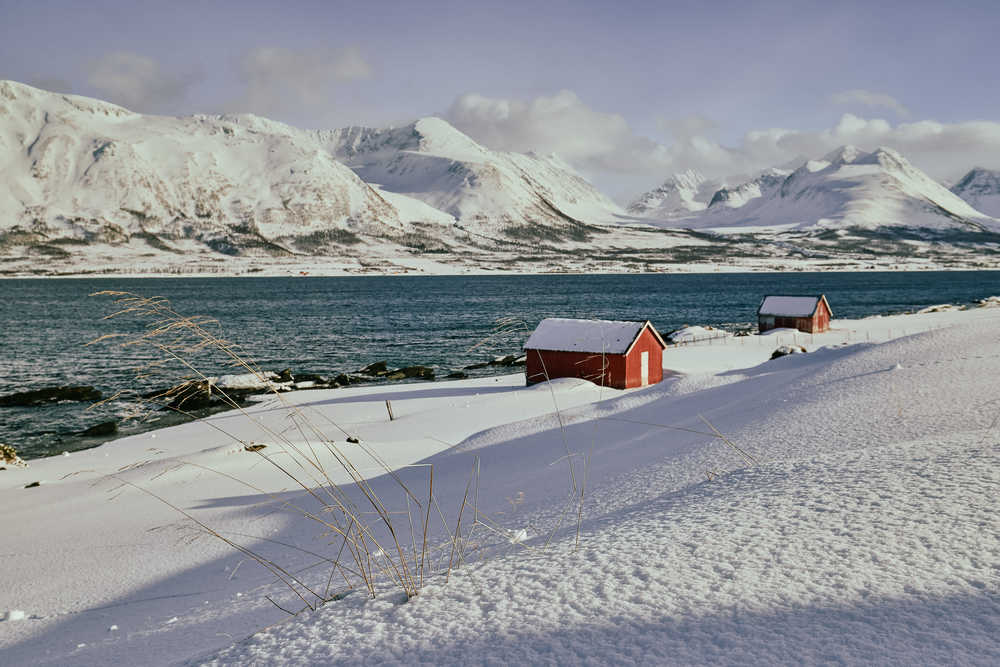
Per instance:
x=818, y=323
x=633, y=364
x=610, y=370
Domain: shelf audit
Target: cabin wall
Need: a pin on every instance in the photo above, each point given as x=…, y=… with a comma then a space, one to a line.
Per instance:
x=816, y=324
x=821, y=321
x=607, y=370
x=633, y=364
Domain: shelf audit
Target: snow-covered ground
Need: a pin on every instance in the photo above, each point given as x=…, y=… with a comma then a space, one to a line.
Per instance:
x=858, y=526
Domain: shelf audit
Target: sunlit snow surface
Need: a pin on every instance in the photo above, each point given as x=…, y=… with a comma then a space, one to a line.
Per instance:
x=866, y=533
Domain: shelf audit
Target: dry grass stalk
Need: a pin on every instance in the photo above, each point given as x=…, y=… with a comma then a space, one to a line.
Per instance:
x=376, y=554
x=367, y=552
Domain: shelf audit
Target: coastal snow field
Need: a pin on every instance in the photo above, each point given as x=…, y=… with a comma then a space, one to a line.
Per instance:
x=859, y=525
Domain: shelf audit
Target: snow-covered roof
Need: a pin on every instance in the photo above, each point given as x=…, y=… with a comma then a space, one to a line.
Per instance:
x=593, y=336
x=790, y=306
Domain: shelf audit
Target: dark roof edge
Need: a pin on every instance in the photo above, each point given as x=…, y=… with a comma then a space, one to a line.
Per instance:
x=821, y=297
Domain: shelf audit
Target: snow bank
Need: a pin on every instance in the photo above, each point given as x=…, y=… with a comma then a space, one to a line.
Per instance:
x=865, y=532
x=593, y=336
x=696, y=333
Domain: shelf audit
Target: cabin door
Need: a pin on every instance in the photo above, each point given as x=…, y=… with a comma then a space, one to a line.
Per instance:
x=644, y=362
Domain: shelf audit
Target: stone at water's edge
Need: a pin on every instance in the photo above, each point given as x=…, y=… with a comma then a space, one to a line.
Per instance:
x=100, y=430
x=379, y=368
x=422, y=372
x=51, y=395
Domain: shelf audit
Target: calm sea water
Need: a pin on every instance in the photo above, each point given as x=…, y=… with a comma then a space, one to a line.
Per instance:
x=329, y=325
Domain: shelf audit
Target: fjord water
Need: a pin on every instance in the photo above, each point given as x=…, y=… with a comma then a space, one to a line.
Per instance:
x=340, y=324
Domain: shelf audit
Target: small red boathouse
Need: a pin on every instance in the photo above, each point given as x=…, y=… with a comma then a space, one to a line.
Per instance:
x=608, y=353
x=810, y=314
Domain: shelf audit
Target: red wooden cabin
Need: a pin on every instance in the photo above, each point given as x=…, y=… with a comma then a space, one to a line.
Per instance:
x=811, y=314
x=608, y=353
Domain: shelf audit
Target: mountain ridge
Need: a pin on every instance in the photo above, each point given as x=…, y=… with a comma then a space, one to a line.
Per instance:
x=846, y=188
x=91, y=186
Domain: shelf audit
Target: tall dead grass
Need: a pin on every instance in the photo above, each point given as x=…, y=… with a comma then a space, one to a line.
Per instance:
x=398, y=535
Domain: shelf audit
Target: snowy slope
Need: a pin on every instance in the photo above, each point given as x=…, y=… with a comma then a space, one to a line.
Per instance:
x=679, y=195
x=981, y=189
x=761, y=187
x=489, y=191
x=876, y=541
x=89, y=171
x=846, y=188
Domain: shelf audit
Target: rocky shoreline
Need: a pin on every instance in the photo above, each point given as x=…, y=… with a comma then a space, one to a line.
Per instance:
x=169, y=406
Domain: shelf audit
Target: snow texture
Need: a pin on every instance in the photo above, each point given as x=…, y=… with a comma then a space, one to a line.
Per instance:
x=846, y=188
x=863, y=529
x=788, y=306
x=981, y=189
x=593, y=336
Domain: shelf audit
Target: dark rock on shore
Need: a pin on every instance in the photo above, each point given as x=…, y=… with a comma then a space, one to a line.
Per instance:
x=192, y=396
x=457, y=375
x=101, y=430
x=313, y=377
x=422, y=372
x=509, y=360
x=475, y=367
x=51, y=395
x=378, y=369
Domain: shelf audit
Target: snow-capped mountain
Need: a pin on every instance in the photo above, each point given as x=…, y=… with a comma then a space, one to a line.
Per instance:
x=88, y=171
x=761, y=187
x=87, y=186
x=493, y=192
x=78, y=171
x=981, y=189
x=679, y=195
x=846, y=188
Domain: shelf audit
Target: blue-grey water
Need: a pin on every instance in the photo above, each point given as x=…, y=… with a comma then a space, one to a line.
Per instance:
x=330, y=325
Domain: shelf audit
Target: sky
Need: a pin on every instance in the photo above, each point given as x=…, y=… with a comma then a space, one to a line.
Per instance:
x=626, y=92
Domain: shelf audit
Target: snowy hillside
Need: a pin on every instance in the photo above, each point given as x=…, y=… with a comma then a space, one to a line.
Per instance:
x=678, y=196
x=874, y=542
x=89, y=187
x=77, y=170
x=846, y=188
x=761, y=187
x=981, y=189
x=515, y=195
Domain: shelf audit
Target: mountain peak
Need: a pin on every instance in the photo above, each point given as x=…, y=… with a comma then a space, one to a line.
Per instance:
x=980, y=187
x=844, y=155
x=979, y=178
x=434, y=126
x=36, y=97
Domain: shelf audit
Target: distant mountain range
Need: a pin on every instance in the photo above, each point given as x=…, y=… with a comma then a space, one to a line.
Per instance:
x=981, y=189
x=90, y=186
x=848, y=188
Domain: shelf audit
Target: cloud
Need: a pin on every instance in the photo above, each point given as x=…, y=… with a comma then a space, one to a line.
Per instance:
x=867, y=98
x=278, y=79
x=592, y=141
x=689, y=126
x=137, y=82
x=605, y=149
x=944, y=150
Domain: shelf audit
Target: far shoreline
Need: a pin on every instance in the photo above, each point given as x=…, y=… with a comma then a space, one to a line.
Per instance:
x=685, y=270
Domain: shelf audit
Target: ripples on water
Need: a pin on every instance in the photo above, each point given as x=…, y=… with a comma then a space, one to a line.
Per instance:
x=329, y=325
